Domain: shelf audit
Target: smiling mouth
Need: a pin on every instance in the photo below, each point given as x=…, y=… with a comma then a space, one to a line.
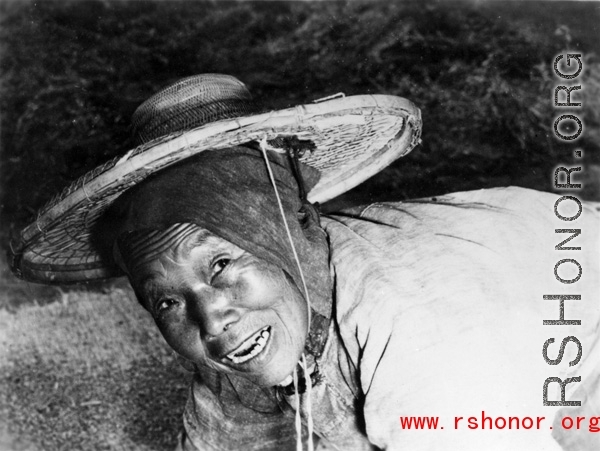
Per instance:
x=251, y=347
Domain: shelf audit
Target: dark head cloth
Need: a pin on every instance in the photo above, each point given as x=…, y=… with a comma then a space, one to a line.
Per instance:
x=229, y=193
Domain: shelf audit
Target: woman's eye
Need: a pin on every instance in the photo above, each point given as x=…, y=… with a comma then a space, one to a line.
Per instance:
x=220, y=265
x=165, y=304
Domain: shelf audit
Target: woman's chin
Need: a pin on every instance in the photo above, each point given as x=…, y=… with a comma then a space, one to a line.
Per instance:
x=272, y=377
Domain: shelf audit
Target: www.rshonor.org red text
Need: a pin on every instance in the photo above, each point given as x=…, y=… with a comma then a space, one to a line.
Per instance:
x=490, y=422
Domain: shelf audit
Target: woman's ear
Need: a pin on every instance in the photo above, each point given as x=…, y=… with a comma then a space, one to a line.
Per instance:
x=315, y=259
x=309, y=215
x=310, y=223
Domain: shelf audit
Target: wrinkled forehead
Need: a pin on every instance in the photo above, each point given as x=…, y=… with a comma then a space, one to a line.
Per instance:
x=137, y=248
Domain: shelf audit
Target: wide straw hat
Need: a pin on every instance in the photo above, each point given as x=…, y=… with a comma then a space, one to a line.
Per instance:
x=352, y=139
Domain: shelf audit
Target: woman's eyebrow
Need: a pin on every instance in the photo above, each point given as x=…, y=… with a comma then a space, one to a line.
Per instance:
x=201, y=237
x=149, y=286
x=149, y=283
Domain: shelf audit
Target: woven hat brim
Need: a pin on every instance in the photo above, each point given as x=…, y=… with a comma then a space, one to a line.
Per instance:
x=355, y=138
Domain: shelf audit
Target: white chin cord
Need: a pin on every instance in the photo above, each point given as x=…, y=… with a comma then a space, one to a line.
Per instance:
x=264, y=146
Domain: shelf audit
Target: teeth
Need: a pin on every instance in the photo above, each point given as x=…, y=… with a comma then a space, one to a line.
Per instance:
x=251, y=347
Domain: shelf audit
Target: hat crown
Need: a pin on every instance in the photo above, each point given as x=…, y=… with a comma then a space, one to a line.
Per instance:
x=189, y=103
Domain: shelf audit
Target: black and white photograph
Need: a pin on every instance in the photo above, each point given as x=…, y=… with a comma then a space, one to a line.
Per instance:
x=315, y=225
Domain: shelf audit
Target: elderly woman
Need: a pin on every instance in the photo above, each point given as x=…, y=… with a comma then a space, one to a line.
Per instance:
x=341, y=328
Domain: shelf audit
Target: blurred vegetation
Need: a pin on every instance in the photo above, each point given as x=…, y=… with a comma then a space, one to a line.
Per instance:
x=73, y=72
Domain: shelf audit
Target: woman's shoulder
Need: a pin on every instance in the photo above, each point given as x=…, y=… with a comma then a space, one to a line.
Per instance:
x=502, y=200
x=489, y=216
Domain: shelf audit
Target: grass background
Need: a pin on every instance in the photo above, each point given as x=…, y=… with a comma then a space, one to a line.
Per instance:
x=87, y=373
x=72, y=73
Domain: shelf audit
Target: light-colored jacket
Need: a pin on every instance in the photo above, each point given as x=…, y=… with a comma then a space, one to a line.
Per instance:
x=439, y=310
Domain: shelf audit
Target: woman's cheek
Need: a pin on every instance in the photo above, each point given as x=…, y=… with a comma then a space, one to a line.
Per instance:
x=252, y=290
x=182, y=338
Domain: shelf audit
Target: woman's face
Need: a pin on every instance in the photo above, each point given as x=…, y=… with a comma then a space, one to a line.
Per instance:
x=218, y=305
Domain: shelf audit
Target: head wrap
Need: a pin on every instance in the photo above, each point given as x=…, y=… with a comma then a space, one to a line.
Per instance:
x=228, y=192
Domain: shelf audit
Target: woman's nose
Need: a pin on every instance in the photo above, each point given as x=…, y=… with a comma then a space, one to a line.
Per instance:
x=214, y=312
